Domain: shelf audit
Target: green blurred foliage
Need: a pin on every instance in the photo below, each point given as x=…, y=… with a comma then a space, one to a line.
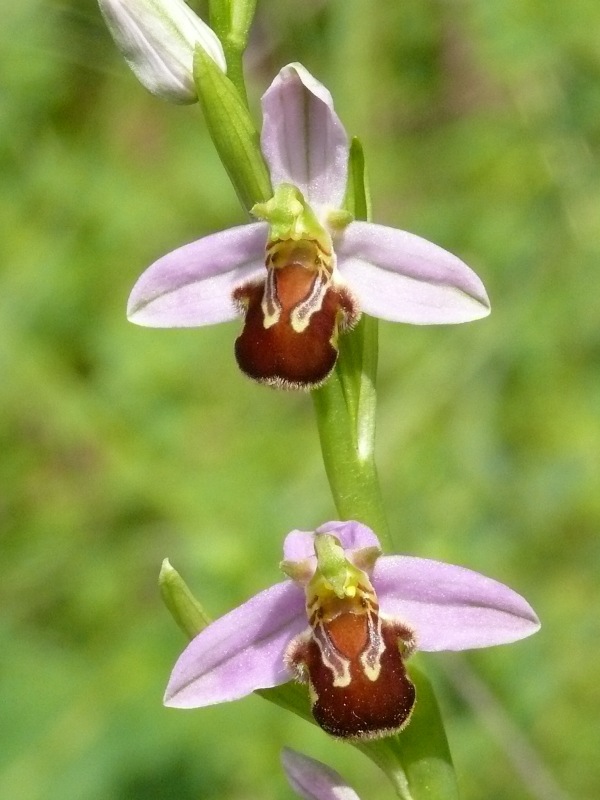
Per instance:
x=120, y=446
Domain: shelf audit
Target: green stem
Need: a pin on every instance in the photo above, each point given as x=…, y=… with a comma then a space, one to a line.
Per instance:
x=231, y=21
x=235, y=68
x=345, y=412
x=417, y=761
x=345, y=406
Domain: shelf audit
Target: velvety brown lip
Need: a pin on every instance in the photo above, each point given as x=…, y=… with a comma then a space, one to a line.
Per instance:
x=278, y=354
x=364, y=708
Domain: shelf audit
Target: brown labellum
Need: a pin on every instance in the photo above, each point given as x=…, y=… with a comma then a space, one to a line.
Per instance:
x=289, y=339
x=355, y=669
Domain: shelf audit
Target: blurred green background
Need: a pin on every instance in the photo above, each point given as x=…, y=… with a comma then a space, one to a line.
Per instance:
x=121, y=445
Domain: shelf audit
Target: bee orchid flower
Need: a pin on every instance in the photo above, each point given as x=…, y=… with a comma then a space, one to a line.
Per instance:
x=306, y=271
x=344, y=623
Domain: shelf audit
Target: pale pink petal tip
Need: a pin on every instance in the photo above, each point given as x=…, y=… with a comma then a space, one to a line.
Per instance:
x=401, y=277
x=451, y=607
x=313, y=780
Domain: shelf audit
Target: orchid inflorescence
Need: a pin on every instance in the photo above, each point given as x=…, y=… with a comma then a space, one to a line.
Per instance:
x=347, y=619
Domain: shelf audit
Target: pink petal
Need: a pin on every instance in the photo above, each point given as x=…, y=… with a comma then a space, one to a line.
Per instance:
x=312, y=780
x=192, y=285
x=401, y=277
x=450, y=607
x=303, y=140
x=299, y=545
x=239, y=652
x=352, y=535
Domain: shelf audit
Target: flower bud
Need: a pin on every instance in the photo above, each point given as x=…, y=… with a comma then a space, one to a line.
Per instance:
x=157, y=38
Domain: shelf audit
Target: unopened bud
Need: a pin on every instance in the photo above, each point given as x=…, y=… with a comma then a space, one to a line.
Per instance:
x=157, y=38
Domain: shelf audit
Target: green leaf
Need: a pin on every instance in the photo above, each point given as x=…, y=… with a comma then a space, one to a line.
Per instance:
x=291, y=696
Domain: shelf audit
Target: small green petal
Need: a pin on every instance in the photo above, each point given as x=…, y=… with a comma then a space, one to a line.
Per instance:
x=358, y=198
x=334, y=571
x=338, y=219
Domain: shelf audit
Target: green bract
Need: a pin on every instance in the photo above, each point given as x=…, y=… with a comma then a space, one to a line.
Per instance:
x=233, y=132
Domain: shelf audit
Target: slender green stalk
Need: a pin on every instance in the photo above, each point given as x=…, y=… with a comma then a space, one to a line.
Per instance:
x=345, y=412
x=235, y=68
x=345, y=405
x=417, y=761
x=231, y=21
